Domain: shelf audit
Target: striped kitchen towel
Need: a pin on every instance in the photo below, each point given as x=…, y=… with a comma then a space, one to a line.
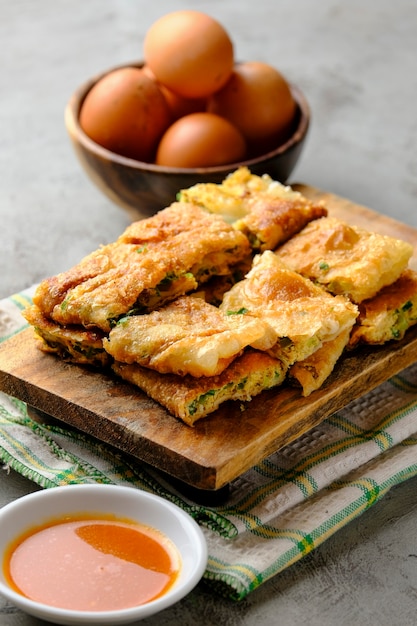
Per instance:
x=274, y=514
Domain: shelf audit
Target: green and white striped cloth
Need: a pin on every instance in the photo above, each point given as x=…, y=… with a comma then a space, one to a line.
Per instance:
x=278, y=511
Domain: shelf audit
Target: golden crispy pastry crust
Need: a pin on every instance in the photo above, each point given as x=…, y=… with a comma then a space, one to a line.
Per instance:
x=301, y=313
x=311, y=373
x=389, y=314
x=152, y=262
x=267, y=212
x=187, y=336
x=271, y=221
x=71, y=343
x=190, y=398
x=346, y=259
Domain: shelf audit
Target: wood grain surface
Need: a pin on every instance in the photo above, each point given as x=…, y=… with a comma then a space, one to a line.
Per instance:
x=221, y=447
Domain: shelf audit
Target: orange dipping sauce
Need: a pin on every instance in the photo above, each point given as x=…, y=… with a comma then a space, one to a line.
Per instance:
x=92, y=564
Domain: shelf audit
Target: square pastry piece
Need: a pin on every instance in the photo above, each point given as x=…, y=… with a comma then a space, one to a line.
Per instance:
x=190, y=357
x=346, y=259
x=154, y=261
x=303, y=315
x=190, y=398
x=187, y=336
x=266, y=211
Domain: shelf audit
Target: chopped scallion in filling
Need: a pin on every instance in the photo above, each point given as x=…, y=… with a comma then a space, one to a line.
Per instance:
x=241, y=311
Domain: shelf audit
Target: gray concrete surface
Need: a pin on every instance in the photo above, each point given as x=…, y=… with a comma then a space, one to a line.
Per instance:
x=357, y=63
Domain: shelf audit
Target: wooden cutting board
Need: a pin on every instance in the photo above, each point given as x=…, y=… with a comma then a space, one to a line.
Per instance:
x=223, y=446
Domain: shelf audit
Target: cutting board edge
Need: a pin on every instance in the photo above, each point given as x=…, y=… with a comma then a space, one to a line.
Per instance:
x=209, y=477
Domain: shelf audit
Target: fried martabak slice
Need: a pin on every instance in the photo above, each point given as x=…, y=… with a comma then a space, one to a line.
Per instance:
x=388, y=315
x=302, y=314
x=187, y=336
x=266, y=211
x=346, y=260
x=154, y=261
x=191, y=399
x=74, y=344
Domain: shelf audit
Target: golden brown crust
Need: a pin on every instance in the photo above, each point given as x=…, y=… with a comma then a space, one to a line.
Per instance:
x=190, y=398
x=301, y=313
x=154, y=261
x=346, y=259
x=311, y=373
x=388, y=315
x=267, y=212
x=272, y=221
x=71, y=343
x=187, y=336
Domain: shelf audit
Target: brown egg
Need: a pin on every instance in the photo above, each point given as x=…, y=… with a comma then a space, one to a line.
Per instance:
x=189, y=52
x=258, y=100
x=200, y=140
x=126, y=113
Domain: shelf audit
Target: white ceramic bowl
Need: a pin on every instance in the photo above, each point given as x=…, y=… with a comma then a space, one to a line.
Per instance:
x=125, y=502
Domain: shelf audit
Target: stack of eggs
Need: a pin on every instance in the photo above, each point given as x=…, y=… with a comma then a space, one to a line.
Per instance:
x=190, y=104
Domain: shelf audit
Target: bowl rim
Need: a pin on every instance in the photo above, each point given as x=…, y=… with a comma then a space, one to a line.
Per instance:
x=120, y=616
x=73, y=108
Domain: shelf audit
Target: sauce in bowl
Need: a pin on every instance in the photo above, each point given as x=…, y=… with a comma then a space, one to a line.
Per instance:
x=92, y=563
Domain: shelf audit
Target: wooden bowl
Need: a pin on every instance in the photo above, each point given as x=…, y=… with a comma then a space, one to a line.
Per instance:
x=145, y=188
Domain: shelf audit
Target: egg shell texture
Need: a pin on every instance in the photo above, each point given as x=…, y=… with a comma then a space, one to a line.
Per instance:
x=189, y=52
x=126, y=112
x=201, y=140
